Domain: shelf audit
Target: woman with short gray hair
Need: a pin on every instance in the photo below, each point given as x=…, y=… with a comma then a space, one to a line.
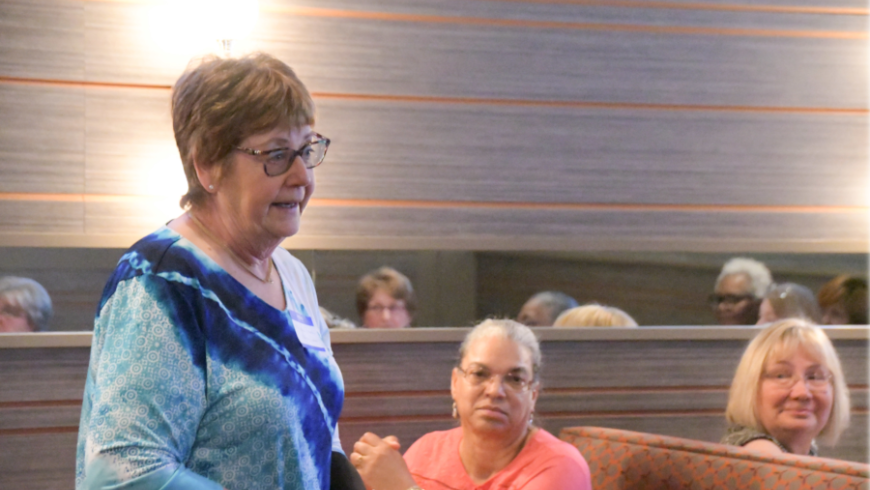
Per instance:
x=494, y=387
x=25, y=305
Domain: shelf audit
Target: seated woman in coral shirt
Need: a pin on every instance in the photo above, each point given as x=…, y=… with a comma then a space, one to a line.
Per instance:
x=494, y=388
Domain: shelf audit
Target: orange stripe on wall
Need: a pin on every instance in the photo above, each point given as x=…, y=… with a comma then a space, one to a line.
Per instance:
x=423, y=204
x=785, y=9
x=41, y=404
x=539, y=24
x=779, y=9
x=570, y=104
x=38, y=430
x=81, y=83
x=420, y=99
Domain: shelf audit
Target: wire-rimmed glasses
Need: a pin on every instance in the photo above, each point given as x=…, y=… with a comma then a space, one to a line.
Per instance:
x=816, y=379
x=480, y=375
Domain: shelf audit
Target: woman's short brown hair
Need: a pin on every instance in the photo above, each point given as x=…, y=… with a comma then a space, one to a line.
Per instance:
x=389, y=280
x=852, y=292
x=221, y=101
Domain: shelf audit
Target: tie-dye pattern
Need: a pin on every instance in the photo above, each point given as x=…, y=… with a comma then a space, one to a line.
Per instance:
x=192, y=375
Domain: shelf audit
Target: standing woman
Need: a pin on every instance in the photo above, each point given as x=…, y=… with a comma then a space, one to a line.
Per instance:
x=211, y=365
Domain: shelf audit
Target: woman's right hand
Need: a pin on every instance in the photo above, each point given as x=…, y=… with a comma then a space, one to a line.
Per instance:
x=380, y=464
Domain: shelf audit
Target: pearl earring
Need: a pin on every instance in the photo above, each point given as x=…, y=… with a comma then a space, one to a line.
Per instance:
x=455, y=411
x=210, y=187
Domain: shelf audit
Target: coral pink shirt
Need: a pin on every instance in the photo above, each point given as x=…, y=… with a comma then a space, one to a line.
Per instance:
x=545, y=463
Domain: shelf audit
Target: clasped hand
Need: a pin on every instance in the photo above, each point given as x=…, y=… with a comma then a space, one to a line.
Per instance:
x=380, y=464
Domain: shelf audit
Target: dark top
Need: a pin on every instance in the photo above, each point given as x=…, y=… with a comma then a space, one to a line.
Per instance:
x=738, y=435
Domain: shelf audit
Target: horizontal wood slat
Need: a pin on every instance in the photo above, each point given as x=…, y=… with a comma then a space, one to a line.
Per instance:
x=510, y=103
x=398, y=383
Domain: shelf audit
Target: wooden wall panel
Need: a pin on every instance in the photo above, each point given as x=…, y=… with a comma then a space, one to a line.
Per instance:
x=131, y=146
x=664, y=381
x=42, y=142
x=466, y=102
x=444, y=58
x=42, y=39
x=53, y=468
x=463, y=152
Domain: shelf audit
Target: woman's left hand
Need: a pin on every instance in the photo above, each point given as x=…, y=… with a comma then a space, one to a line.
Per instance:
x=380, y=464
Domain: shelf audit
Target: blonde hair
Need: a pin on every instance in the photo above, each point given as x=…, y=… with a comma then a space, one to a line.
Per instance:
x=851, y=292
x=785, y=336
x=221, y=101
x=594, y=315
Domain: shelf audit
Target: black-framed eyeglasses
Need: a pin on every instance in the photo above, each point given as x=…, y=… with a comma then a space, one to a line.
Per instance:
x=727, y=299
x=278, y=161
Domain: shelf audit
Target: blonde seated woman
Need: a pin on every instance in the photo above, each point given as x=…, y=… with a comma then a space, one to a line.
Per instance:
x=594, y=315
x=494, y=387
x=788, y=390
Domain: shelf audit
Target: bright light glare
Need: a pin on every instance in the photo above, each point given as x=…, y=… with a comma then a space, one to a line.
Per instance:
x=193, y=27
x=230, y=19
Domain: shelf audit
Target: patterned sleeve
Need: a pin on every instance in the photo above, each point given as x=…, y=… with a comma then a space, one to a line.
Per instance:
x=144, y=396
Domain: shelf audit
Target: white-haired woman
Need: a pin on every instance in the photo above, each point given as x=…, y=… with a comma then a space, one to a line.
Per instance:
x=788, y=390
x=24, y=305
x=494, y=388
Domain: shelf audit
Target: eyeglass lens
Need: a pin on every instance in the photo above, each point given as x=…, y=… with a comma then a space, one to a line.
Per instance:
x=279, y=161
x=816, y=379
x=477, y=376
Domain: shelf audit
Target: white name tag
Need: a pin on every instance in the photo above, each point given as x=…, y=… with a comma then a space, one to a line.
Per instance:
x=308, y=334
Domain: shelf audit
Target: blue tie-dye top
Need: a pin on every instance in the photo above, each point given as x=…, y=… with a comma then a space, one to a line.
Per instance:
x=196, y=383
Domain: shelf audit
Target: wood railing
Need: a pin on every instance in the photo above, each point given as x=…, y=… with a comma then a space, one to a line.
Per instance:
x=671, y=381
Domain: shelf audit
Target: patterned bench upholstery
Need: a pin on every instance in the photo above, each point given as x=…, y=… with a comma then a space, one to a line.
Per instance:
x=626, y=460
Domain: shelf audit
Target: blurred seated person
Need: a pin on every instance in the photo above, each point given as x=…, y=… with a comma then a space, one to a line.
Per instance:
x=789, y=300
x=787, y=391
x=494, y=387
x=334, y=321
x=542, y=309
x=739, y=290
x=844, y=301
x=385, y=299
x=24, y=305
x=594, y=315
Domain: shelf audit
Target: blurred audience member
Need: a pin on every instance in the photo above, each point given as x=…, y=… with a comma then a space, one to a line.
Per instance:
x=594, y=315
x=542, y=309
x=24, y=305
x=789, y=300
x=334, y=321
x=740, y=288
x=385, y=299
x=844, y=301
